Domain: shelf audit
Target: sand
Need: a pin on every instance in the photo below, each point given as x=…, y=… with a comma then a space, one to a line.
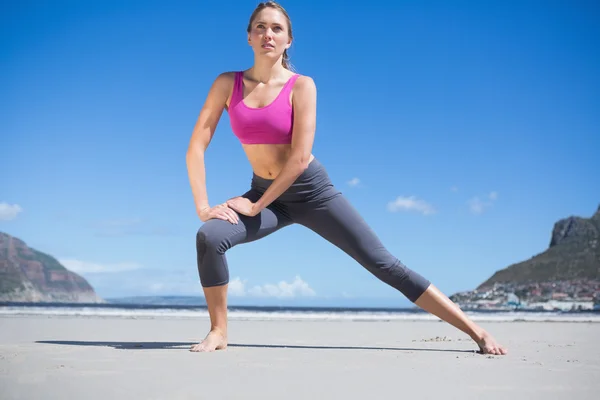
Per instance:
x=57, y=357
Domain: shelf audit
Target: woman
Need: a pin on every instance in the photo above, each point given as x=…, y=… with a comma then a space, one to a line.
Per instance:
x=273, y=113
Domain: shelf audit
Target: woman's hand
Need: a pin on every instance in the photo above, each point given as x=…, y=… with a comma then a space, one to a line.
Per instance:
x=221, y=211
x=243, y=206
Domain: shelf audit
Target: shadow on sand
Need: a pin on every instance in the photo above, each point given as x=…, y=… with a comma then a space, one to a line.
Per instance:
x=187, y=345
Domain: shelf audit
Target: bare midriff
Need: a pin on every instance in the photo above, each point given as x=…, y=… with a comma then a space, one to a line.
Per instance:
x=267, y=160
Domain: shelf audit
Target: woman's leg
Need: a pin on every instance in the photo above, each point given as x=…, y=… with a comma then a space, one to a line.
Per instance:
x=213, y=239
x=336, y=220
x=438, y=304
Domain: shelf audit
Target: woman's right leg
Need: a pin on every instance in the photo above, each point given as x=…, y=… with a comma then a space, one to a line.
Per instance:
x=213, y=239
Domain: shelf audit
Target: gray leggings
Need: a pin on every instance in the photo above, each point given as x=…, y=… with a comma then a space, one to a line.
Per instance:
x=314, y=202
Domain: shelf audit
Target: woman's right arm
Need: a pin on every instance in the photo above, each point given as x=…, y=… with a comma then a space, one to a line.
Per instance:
x=202, y=134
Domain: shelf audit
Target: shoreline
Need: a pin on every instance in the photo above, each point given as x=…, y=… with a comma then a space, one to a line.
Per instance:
x=290, y=314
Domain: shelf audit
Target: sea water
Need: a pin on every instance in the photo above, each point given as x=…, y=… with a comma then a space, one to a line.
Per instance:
x=134, y=311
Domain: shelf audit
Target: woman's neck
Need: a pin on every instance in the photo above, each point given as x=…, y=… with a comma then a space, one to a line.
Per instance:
x=264, y=70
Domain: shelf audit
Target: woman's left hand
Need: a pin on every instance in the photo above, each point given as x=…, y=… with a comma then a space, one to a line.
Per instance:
x=243, y=206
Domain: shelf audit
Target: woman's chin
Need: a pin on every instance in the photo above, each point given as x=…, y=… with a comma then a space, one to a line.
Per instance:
x=268, y=53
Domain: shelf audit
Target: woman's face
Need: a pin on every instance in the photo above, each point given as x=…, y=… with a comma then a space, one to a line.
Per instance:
x=269, y=33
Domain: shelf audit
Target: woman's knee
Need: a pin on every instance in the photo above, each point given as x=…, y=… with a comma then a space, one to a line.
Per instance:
x=211, y=244
x=212, y=236
x=407, y=281
x=392, y=271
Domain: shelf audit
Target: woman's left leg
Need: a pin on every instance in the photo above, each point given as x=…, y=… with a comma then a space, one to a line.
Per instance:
x=336, y=220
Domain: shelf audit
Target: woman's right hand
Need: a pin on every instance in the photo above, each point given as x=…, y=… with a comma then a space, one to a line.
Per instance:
x=221, y=211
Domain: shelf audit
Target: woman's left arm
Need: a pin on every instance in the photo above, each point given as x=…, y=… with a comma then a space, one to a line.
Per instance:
x=304, y=100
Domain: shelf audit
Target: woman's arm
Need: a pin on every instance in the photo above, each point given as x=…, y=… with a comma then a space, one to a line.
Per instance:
x=202, y=134
x=304, y=100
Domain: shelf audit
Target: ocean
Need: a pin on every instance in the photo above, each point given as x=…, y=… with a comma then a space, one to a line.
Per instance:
x=136, y=311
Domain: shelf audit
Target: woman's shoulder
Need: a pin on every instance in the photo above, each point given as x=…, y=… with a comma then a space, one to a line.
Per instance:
x=227, y=77
x=301, y=77
x=225, y=81
x=304, y=83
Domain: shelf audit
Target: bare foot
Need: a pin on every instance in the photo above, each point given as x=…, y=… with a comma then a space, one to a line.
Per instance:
x=488, y=345
x=215, y=340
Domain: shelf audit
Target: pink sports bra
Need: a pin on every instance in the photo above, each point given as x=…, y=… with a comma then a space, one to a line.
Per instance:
x=271, y=124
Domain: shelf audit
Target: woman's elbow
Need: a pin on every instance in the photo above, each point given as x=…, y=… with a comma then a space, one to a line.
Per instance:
x=195, y=149
x=193, y=156
x=300, y=162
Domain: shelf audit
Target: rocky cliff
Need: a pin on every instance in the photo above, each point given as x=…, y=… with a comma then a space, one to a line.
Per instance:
x=573, y=254
x=27, y=275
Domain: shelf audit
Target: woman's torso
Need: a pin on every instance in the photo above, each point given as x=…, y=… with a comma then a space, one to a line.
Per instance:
x=266, y=159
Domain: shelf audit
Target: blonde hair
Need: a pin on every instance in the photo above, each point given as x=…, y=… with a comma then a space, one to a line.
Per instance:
x=261, y=6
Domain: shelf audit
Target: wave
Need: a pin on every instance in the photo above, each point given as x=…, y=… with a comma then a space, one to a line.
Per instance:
x=285, y=314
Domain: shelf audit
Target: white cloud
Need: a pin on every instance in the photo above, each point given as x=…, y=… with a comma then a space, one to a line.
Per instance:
x=147, y=281
x=410, y=204
x=478, y=205
x=157, y=287
x=9, y=211
x=236, y=287
x=84, y=267
x=297, y=288
x=354, y=182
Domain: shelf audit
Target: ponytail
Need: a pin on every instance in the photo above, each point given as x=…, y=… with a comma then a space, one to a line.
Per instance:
x=286, y=61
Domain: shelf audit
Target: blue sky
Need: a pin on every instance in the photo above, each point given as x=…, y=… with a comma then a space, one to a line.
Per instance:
x=461, y=131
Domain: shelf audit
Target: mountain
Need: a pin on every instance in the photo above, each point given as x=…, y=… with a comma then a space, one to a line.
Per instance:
x=27, y=275
x=573, y=254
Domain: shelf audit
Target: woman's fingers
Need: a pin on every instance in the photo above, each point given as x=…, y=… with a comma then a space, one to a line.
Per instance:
x=234, y=215
x=227, y=214
x=217, y=212
x=223, y=215
x=224, y=212
x=230, y=217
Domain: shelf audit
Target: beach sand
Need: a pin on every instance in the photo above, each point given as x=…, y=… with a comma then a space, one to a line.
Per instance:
x=58, y=357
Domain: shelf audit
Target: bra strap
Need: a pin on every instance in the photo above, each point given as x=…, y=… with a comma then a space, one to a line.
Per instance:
x=287, y=89
x=238, y=88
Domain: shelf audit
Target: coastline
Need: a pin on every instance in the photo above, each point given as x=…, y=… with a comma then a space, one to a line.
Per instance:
x=285, y=313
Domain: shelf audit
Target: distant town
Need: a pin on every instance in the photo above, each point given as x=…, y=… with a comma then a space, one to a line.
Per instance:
x=571, y=295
